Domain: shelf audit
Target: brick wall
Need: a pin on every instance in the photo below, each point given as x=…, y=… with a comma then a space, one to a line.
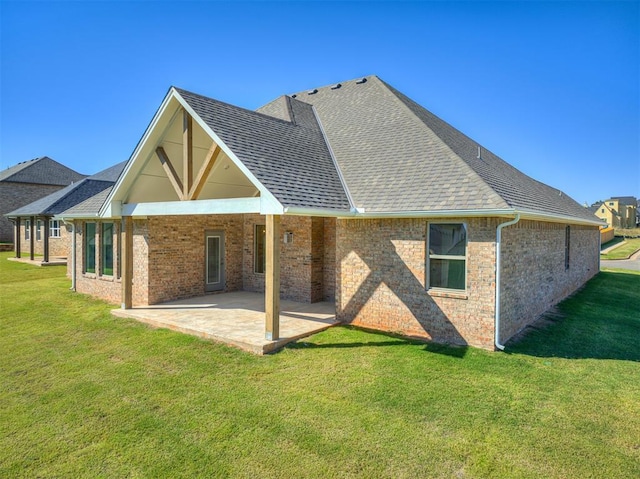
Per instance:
x=301, y=262
x=381, y=281
x=57, y=246
x=15, y=195
x=176, y=252
x=381, y=277
x=534, y=277
x=329, y=263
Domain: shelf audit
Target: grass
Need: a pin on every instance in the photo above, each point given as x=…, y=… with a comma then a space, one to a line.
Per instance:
x=84, y=394
x=626, y=249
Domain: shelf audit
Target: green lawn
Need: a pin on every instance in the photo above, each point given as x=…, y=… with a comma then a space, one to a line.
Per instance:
x=623, y=251
x=84, y=394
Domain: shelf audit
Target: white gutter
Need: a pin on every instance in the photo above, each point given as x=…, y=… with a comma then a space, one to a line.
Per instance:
x=73, y=256
x=498, y=344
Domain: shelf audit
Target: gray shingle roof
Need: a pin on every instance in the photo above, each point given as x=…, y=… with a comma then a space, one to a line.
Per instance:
x=42, y=171
x=72, y=195
x=90, y=207
x=288, y=155
x=397, y=156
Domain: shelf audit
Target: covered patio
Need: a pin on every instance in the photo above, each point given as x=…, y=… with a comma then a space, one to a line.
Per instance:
x=236, y=319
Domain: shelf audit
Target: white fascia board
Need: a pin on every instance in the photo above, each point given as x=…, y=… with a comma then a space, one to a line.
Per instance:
x=195, y=207
x=553, y=218
x=273, y=203
x=115, y=191
x=532, y=215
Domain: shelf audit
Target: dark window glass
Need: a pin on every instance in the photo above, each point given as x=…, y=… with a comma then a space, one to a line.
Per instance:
x=259, y=257
x=107, y=249
x=90, y=247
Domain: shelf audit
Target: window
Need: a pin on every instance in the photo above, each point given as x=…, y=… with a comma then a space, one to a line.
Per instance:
x=603, y=210
x=447, y=259
x=27, y=229
x=38, y=225
x=567, y=246
x=90, y=247
x=54, y=228
x=259, y=245
x=106, y=245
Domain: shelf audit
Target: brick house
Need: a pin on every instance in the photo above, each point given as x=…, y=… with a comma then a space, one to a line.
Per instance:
x=27, y=182
x=350, y=193
x=38, y=231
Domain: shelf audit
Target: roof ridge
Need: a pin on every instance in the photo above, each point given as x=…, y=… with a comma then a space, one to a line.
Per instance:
x=388, y=91
x=236, y=107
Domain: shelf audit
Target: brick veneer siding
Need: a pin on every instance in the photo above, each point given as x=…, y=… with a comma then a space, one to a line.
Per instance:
x=381, y=281
x=329, y=263
x=534, y=277
x=176, y=252
x=16, y=195
x=301, y=262
x=57, y=246
x=169, y=259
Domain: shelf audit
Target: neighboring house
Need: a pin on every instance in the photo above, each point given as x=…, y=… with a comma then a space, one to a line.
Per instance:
x=618, y=212
x=36, y=229
x=28, y=181
x=606, y=213
x=350, y=193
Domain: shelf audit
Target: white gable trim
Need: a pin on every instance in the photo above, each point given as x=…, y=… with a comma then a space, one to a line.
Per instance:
x=112, y=206
x=272, y=204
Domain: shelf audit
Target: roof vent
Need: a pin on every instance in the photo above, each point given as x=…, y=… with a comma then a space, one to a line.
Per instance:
x=294, y=95
x=361, y=81
x=336, y=86
x=312, y=92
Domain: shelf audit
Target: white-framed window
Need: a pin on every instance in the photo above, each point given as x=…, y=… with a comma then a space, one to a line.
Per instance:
x=38, y=227
x=27, y=229
x=259, y=249
x=447, y=256
x=54, y=228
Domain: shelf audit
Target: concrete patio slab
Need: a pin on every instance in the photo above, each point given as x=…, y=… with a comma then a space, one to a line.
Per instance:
x=38, y=260
x=236, y=319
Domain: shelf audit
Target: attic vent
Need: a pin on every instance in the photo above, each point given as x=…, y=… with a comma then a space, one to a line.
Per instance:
x=294, y=95
x=336, y=86
x=362, y=80
x=312, y=92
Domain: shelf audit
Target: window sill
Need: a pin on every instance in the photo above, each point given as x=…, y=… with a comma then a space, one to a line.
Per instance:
x=441, y=293
x=89, y=275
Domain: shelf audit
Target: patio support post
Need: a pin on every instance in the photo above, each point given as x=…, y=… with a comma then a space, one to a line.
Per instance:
x=46, y=240
x=127, y=262
x=32, y=231
x=272, y=279
x=17, y=242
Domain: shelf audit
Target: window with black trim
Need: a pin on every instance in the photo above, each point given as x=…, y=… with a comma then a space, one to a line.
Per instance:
x=567, y=247
x=106, y=246
x=259, y=245
x=447, y=258
x=90, y=247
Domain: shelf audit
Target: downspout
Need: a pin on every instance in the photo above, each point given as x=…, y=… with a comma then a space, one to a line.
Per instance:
x=73, y=256
x=498, y=344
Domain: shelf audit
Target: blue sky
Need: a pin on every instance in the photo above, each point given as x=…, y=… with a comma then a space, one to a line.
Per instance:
x=551, y=87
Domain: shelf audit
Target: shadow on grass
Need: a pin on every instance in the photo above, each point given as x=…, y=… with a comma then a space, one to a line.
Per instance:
x=601, y=321
x=382, y=339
